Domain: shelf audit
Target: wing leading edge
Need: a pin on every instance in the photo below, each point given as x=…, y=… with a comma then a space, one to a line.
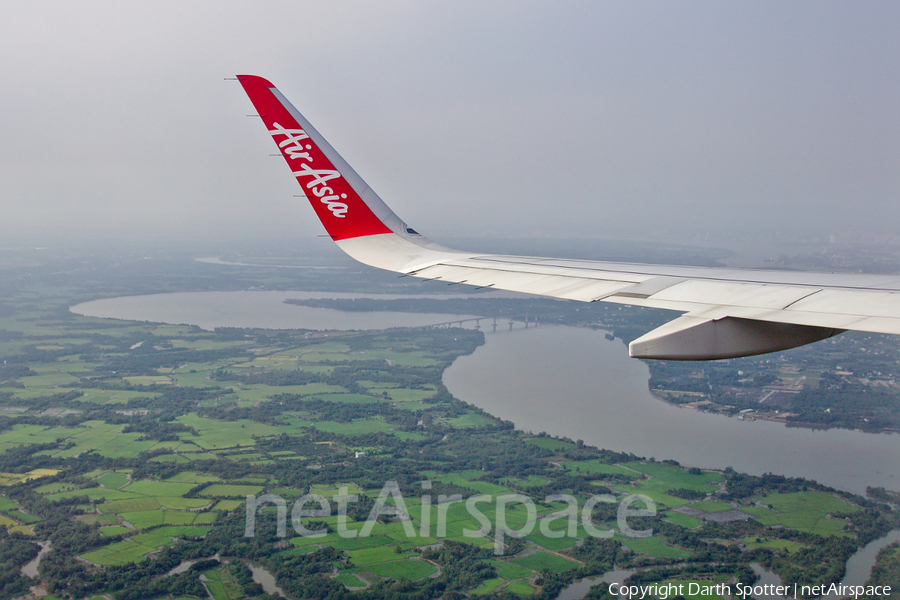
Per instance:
x=727, y=312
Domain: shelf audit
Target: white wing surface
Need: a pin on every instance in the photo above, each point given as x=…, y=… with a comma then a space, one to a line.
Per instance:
x=727, y=312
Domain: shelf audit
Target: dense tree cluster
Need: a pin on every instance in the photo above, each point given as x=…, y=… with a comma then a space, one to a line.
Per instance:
x=742, y=485
x=15, y=552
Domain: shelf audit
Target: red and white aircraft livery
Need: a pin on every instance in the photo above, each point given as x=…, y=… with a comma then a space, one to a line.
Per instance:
x=727, y=312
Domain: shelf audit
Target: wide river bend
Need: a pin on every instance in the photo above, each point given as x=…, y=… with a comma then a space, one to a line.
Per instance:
x=563, y=380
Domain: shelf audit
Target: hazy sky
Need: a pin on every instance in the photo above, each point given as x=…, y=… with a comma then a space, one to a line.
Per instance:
x=551, y=119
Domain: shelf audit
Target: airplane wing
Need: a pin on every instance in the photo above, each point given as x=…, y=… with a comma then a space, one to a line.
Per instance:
x=727, y=312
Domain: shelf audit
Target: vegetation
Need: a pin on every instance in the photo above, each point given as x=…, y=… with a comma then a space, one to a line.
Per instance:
x=131, y=448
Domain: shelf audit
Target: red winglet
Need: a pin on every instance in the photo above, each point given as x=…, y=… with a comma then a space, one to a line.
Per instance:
x=340, y=208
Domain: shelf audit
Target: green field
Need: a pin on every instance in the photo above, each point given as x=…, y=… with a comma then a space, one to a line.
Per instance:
x=487, y=587
x=465, y=480
x=678, y=477
x=129, y=505
x=598, y=468
x=219, y=490
x=48, y=380
x=380, y=554
x=227, y=505
x=222, y=585
x=98, y=519
x=159, y=488
x=91, y=436
x=558, y=543
x=404, y=395
x=683, y=520
x=182, y=503
x=519, y=588
x=7, y=522
x=806, y=511
x=471, y=420
x=8, y=504
x=357, y=427
x=113, y=480
x=665, y=477
x=55, y=488
x=334, y=540
x=164, y=536
x=350, y=580
x=138, y=546
x=192, y=477
x=143, y=519
x=404, y=569
x=539, y=561
x=227, y=434
x=508, y=571
x=173, y=517
x=120, y=553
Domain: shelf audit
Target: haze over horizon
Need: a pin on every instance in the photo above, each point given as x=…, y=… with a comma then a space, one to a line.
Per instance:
x=594, y=120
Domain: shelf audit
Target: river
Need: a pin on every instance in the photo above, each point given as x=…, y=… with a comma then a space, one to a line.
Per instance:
x=263, y=309
x=574, y=382
x=859, y=568
x=568, y=381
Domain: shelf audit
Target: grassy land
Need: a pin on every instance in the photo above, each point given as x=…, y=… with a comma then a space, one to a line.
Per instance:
x=222, y=585
x=807, y=511
x=540, y=561
x=411, y=570
x=686, y=521
x=151, y=436
x=655, y=546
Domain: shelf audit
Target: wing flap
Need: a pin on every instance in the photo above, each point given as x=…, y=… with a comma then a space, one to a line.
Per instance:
x=526, y=281
x=863, y=303
x=497, y=263
x=752, y=295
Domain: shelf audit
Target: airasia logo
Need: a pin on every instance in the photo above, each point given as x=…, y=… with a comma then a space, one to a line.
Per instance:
x=294, y=148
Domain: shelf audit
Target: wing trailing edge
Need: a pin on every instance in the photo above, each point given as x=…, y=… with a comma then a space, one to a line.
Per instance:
x=728, y=312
